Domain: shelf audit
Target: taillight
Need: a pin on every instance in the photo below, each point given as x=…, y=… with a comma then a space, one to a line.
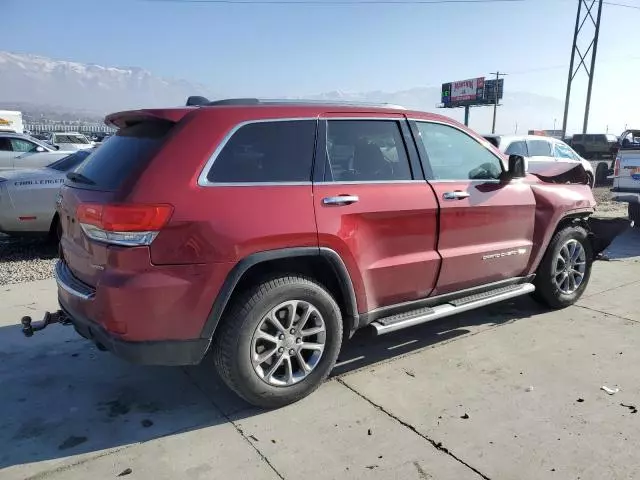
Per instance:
x=126, y=224
x=616, y=166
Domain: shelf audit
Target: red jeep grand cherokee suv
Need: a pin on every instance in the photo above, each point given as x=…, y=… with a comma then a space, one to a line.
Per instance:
x=268, y=231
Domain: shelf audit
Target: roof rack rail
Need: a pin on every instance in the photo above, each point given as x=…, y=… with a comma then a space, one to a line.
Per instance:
x=203, y=102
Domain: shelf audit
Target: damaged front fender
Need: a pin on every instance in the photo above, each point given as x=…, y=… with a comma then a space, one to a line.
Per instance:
x=559, y=172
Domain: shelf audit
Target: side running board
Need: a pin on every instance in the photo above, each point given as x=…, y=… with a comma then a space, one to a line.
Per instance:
x=427, y=314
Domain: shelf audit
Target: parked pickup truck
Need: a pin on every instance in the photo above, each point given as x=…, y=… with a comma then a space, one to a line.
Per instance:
x=626, y=174
x=292, y=224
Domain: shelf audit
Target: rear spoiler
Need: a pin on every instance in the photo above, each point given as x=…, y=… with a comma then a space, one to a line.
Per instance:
x=131, y=117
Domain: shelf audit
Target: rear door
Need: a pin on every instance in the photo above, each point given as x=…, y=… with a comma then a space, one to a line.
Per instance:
x=486, y=224
x=374, y=208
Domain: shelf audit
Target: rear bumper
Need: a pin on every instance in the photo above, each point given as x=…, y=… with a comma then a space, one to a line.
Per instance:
x=625, y=196
x=73, y=294
x=162, y=352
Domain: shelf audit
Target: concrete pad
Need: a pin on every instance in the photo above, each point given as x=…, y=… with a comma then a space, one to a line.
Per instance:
x=607, y=276
x=511, y=432
x=39, y=294
x=337, y=434
x=212, y=452
x=68, y=409
x=623, y=302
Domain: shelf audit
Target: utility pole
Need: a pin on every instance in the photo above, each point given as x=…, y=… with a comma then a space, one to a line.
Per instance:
x=466, y=115
x=495, y=103
x=580, y=21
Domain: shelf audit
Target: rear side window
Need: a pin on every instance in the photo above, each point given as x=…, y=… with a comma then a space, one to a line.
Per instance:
x=273, y=152
x=126, y=152
x=517, y=148
x=366, y=151
x=539, y=148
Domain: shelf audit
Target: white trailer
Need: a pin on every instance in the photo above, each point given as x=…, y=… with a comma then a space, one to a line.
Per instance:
x=11, y=121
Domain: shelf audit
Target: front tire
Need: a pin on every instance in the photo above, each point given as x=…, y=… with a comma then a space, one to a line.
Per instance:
x=279, y=341
x=565, y=269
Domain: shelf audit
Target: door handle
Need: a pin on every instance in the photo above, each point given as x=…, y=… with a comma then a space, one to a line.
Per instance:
x=455, y=195
x=340, y=200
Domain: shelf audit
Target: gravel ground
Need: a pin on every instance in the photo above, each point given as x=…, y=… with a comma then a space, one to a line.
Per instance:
x=24, y=260
x=606, y=207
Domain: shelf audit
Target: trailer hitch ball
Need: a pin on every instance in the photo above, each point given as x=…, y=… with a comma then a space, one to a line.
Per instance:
x=29, y=327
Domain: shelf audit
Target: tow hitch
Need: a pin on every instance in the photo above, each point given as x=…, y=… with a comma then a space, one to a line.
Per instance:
x=29, y=326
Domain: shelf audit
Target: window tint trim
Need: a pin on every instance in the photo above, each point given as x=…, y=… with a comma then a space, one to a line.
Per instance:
x=203, y=181
x=424, y=156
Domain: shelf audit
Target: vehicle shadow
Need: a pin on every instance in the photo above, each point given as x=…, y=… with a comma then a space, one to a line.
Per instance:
x=606, y=231
x=63, y=398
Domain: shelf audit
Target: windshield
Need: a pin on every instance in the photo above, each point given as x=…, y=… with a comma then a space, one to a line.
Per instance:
x=70, y=162
x=71, y=139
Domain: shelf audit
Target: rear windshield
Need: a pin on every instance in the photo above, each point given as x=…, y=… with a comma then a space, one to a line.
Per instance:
x=126, y=152
x=70, y=162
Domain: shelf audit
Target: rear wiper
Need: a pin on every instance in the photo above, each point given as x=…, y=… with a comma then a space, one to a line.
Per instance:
x=79, y=178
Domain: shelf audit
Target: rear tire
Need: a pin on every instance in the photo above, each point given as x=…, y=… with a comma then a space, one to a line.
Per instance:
x=634, y=214
x=590, y=180
x=602, y=171
x=564, y=272
x=266, y=318
x=55, y=231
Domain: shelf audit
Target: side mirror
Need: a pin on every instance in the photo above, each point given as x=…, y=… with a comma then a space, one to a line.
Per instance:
x=40, y=149
x=517, y=166
x=57, y=147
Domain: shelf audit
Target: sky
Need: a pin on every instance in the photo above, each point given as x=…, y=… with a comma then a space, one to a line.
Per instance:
x=266, y=49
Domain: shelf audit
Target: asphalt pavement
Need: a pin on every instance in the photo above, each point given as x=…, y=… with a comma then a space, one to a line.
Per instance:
x=512, y=391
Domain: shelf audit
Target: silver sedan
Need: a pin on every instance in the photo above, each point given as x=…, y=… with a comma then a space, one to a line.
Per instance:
x=23, y=151
x=28, y=196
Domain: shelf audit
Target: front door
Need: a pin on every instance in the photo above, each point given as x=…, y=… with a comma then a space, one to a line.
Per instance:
x=374, y=208
x=6, y=154
x=486, y=224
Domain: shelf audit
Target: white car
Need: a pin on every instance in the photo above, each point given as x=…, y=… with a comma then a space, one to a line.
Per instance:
x=69, y=141
x=541, y=153
x=23, y=151
x=30, y=196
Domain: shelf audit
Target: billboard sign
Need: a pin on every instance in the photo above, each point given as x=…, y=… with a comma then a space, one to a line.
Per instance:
x=463, y=92
x=490, y=90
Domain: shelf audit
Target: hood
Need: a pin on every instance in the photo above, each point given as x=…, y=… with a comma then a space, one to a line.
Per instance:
x=559, y=172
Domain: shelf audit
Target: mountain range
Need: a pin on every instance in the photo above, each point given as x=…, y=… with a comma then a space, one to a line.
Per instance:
x=32, y=82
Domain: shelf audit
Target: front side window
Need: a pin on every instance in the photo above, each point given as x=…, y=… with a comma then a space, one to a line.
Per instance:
x=366, y=151
x=539, y=148
x=23, y=146
x=519, y=147
x=273, y=151
x=454, y=155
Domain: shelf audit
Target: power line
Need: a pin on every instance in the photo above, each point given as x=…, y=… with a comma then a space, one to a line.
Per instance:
x=624, y=5
x=335, y=2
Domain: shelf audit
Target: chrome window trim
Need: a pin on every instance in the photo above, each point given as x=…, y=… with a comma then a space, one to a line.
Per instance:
x=469, y=180
x=496, y=180
x=371, y=182
x=204, y=182
x=202, y=178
